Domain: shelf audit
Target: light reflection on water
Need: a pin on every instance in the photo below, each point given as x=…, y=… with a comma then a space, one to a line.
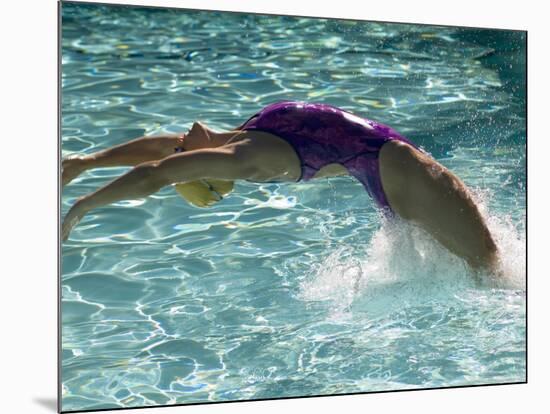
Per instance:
x=284, y=289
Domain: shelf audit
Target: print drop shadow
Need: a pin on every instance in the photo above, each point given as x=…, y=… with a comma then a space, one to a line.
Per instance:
x=47, y=402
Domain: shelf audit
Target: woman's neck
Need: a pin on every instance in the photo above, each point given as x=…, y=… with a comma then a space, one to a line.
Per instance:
x=219, y=139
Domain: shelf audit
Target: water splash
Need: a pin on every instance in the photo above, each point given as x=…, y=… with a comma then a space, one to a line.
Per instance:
x=509, y=235
x=403, y=265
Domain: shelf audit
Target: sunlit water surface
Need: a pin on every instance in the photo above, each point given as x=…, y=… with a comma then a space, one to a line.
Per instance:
x=285, y=289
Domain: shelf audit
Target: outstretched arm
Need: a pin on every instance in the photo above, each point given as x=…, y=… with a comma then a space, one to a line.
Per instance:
x=228, y=163
x=130, y=153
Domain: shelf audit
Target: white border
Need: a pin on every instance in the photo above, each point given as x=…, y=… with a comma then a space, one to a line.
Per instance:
x=29, y=73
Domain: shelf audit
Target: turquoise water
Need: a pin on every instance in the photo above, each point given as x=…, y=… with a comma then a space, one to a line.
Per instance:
x=285, y=289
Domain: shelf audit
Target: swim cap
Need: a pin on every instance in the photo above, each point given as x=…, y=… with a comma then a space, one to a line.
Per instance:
x=205, y=192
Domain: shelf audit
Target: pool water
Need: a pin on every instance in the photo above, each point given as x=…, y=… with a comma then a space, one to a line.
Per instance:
x=297, y=288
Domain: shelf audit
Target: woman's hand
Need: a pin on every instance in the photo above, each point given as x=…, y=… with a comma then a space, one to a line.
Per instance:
x=72, y=167
x=72, y=218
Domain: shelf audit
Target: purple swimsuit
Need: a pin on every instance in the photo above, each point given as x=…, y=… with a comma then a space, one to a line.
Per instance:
x=323, y=134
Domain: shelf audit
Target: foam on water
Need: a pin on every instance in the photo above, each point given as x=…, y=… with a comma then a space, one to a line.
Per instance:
x=403, y=264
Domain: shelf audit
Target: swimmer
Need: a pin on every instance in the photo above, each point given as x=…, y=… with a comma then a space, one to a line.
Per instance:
x=290, y=141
